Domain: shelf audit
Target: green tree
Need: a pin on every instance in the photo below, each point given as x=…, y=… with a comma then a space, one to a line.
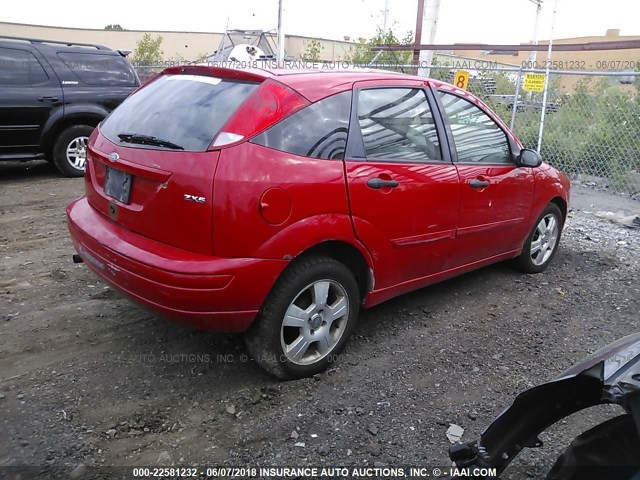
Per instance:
x=114, y=26
x=177, y=59
x=596, y=131
x=202, y=57
x=364, y=55
x=445, y=73
x=312, y=51
x=148, y=51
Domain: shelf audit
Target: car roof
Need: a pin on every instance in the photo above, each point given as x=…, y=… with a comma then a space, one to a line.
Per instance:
x=315, y=84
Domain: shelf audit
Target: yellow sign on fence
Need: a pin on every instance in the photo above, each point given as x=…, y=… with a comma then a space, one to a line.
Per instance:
x=534, y=82
x=461, y=79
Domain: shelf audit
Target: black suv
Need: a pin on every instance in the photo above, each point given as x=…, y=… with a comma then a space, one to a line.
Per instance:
x=52, y=95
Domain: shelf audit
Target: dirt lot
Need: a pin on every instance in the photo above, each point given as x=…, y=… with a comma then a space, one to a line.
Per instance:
x=90, y=379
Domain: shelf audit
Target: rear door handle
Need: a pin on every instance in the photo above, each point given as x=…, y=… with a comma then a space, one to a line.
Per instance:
x=475, y=183
x=48, y=99
x=377, y=183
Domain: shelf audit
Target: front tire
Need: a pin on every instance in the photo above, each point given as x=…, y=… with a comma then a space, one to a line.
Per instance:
x=542, y=243
x=70, y=150
x=306, y=320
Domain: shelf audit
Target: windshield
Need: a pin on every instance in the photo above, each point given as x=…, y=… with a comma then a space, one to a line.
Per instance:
x=185, y=111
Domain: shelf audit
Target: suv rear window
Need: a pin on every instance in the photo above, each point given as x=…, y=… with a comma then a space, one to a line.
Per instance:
x=185, y=110
x=97, y=70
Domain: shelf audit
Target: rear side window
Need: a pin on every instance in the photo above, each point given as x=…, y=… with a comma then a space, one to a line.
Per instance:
x=317, y=131
x=397, y=125
x=20, y=68
x=184, y=110
x=99, y=70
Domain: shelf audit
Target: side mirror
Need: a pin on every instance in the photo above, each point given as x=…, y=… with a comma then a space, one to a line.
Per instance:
x=529, y=158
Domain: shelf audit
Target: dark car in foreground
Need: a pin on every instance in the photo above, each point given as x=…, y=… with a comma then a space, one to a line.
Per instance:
x=280, y=202
x=53, y=94
x=607, y=451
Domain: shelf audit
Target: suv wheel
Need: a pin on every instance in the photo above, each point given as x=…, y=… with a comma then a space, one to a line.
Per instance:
x=542, y=243
x=306, y=320
x=70, y=150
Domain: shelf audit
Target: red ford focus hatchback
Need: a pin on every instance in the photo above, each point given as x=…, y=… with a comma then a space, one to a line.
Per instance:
x=278, y=203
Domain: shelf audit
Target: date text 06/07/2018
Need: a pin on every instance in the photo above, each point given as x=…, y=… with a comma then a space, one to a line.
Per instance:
x=417, y=472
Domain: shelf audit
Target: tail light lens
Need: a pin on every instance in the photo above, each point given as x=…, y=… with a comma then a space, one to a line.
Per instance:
x=266, y=106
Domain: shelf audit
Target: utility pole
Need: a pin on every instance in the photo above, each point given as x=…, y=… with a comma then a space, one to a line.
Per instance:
x=427, y=23
x=385, y=17
x=418, y=36
x=546, y=81
x=533, y=55
x=280, y=53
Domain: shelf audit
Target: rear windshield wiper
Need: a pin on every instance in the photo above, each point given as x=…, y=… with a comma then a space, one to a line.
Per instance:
x=148, y=140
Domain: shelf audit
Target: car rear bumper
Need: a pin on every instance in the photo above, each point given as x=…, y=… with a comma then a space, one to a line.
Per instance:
x=212, y=293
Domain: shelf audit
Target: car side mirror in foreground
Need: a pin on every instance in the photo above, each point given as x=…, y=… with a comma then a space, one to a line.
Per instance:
x=529, y=158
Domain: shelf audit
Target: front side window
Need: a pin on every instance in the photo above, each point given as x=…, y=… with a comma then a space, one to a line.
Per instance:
x=20, y=68
x=478, y=139
x=397, y=125
x=317, y=131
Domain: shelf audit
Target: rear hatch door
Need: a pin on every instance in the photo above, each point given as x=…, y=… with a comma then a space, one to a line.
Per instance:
x=149, y=168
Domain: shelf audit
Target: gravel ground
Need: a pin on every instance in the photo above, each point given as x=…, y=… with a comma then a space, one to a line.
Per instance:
x=87, y=378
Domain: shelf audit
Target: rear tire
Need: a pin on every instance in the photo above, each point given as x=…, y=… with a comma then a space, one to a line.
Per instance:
x=69, y=150
x=542, y=243
x=306, y=320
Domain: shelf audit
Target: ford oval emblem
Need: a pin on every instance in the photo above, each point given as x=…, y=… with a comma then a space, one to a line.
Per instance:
x=114, y=156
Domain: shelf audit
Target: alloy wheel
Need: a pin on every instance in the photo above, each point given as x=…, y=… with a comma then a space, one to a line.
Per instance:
x=544, y=239
x=77, y=152
x=314, y=322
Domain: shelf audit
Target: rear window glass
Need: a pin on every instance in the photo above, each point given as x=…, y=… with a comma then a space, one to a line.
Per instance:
x=92, y=69
x=186, y=110
x=317, y=131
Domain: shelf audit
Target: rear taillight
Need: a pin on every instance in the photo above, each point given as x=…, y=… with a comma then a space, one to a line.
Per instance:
x=266, y=106
x=89, y=159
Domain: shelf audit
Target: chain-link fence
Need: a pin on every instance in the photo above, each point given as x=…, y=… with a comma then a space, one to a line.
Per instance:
x=145, y=72
x=591, y=127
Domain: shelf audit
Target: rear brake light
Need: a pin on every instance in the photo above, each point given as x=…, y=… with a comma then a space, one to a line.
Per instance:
x=268, y=105
x=90, y=158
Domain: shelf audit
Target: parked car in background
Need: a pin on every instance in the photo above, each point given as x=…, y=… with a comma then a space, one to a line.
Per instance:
x=279, y=202
x=53, y=94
